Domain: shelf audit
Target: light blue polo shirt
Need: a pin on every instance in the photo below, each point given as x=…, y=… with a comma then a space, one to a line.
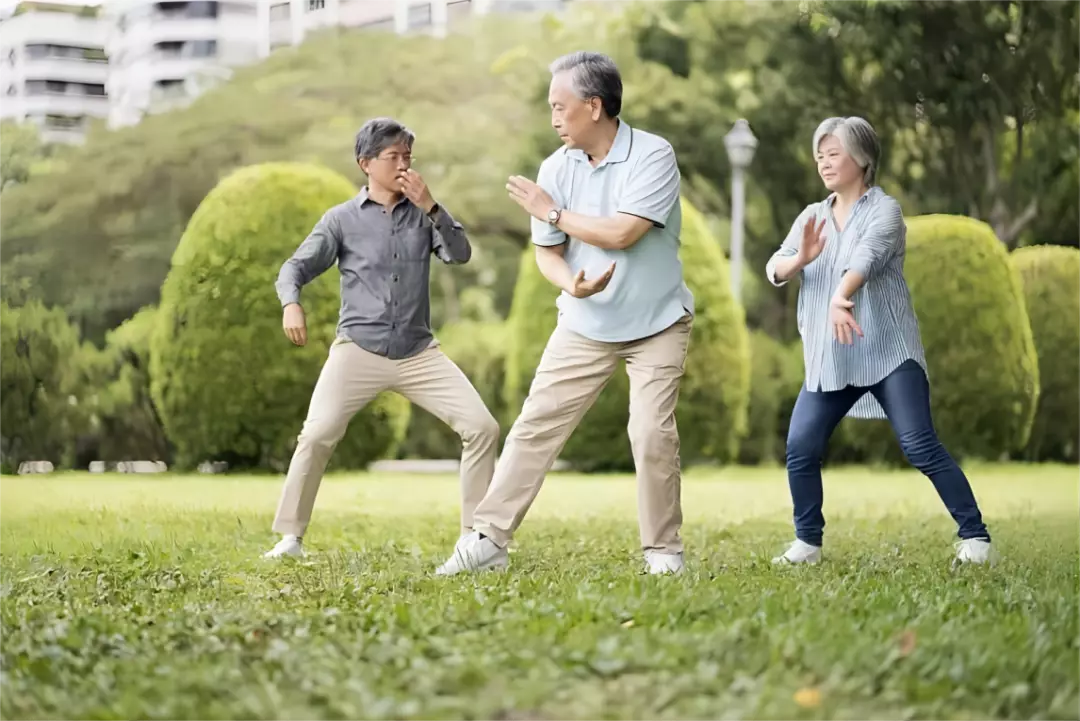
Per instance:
x=647, y=293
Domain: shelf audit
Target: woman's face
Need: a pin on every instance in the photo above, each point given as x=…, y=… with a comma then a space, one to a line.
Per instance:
x=837, y=169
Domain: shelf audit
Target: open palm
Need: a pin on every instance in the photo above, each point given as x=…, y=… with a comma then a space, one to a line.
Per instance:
x=813, y=241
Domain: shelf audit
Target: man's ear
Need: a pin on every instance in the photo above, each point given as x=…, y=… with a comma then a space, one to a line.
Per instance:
x=363, y=163
x=596, y=106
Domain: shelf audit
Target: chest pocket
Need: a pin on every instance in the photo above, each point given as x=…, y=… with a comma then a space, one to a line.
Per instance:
x=413, y=244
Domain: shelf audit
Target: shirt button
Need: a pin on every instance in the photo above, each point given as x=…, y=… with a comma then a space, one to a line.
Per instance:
x=394, y=277
x=393, y=325
x=395, y=256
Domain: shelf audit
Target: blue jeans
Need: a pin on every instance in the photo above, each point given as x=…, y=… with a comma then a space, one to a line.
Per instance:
x=905, y=396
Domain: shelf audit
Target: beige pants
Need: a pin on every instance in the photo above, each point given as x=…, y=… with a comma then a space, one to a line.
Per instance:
x=351, y=378
x=571, y=374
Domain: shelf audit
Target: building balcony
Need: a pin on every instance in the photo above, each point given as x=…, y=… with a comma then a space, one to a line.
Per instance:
x=70, y=69
x=60, y=104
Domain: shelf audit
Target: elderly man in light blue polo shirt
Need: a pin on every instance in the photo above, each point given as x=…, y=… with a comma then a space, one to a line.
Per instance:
x=605, y=226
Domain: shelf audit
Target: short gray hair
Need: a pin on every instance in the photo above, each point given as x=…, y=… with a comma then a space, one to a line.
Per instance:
x=378, y=134
x=859, y=140
x=594, y=75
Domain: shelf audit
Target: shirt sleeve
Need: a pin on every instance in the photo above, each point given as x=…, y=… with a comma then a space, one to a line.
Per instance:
x=883, y=235
x=652, y=190
x=790, y=247
x=314, y=257
x=543, y=232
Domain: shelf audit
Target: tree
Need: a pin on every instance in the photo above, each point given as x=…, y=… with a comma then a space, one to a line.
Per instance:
x=42, y=397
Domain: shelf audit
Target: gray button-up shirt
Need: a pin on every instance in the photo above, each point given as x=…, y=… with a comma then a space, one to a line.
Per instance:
x=384, y=257
x=874, y=243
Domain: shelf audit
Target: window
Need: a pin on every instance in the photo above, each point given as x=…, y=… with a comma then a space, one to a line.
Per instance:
x=41, y=51
x=64, y=122
x=172, y=49
x=313, y=5
x=61, y=87
x=190, y=10
x=419, y=15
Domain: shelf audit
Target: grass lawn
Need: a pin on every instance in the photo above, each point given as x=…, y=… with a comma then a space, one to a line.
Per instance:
x=145, y=597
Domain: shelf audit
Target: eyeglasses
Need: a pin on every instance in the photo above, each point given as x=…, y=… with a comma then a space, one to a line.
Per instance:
x=394, y=158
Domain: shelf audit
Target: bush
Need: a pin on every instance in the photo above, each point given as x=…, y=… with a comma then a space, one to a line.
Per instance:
x=479, y=350
x=776, y=375
x=1051, y=280
x=126, y=424
x=715, y=390
x=42, y=401
x=984, y=376
x=227, y=382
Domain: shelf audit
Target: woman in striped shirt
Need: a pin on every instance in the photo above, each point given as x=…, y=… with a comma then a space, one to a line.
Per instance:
x=861, y=345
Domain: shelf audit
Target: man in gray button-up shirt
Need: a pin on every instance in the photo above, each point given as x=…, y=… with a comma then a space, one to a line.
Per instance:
x=382, y=241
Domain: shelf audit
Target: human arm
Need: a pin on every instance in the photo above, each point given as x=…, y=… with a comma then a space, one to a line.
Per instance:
x=448, y=239
x=803, y=244
x=551, y=261
x=883, y=236
x=315, y=255
x=650, y=194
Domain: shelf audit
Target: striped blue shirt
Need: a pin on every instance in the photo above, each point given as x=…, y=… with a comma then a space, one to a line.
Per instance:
x=873, y=242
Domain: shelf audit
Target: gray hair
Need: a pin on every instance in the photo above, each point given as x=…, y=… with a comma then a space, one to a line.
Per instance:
x=378, y=134
x=594, y=75
x=859, y=140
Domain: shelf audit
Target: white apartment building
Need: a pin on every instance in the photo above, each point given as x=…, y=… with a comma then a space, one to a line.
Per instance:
x=290, y=21
x=164, y=54
x=54, y=69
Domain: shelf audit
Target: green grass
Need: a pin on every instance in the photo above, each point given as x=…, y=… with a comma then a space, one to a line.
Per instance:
x=144, y=597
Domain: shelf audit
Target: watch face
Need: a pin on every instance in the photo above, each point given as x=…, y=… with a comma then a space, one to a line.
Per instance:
x=553, y=215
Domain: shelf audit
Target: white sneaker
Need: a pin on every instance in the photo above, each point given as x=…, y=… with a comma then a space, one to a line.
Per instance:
x=975, y=550
x=473, y=553
x=799, y=552
x=287, y=546
x=661, y=564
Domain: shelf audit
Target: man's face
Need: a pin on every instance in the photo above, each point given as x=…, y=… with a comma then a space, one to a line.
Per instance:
x=571, y=117
x=387, y=167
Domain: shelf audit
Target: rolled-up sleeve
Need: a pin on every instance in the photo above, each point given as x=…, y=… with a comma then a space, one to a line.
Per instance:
x=790, y=247
x=883, y=235
x=315, y=255
x=544, y=233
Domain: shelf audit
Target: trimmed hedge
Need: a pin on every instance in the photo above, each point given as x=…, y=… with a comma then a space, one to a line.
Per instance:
x=1051, y=278
x=984, y=375
x=714, y=396
x=776, y=375
x=227, y=382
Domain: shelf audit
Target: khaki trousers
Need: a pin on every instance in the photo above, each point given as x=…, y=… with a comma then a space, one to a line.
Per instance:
x=351, y=378
x=571, y=374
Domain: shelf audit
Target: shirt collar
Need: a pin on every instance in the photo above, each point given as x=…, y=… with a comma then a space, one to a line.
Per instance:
x=620, y=147
x=362, y=197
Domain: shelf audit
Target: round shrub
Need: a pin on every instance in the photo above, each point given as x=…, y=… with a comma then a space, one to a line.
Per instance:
x=1051, y=278
x=984, y=376
x=715, y=390
x=478, y=348
x=227, y=382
